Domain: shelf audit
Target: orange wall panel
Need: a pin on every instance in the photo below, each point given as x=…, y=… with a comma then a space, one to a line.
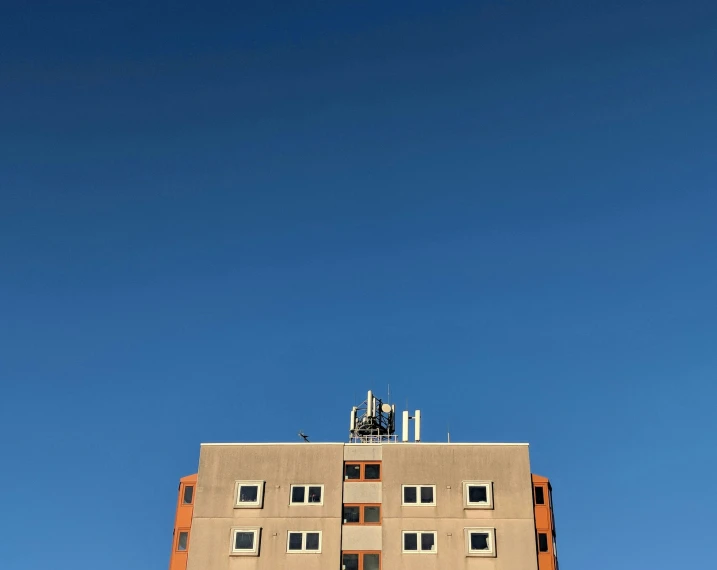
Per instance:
x=183, y=523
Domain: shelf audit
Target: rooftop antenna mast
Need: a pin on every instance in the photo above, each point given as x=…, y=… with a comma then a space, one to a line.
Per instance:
x=303, y=436
x=373, y=421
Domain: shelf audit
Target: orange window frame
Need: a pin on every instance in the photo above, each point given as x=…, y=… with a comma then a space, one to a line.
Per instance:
x=178, y=535
x=535, y=495
x=362, y=471
x=361, y=554
x=182, y=491
x=361, y=507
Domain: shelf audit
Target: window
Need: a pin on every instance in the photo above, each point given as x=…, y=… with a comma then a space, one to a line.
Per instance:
x=362, y=471
x=183, y=541
x=419, y=495
x=539, y=496
x=307, y=494
x=188, y=494
x=362, y=514
x=361, y=561
x=245, y=541
x=249, y=494
x=303, y=541
x=542, y=542
x=477, y=495
x=480, y=542
x=419, y=541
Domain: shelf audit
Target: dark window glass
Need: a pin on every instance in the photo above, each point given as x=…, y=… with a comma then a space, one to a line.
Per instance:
x=351, y=515
x=297, y=494
x=188, y=495
x=479, y=541
x=409, y=495
x=410, y=541
x=314, y=494
x=371, y=562
x=312, y=541
x=295, y=541
x=427, y=540
x=539, y=496
x=182, y=542
x=477, y=494
x=244, y=541
x=248, y=493
x=542, y=542
x=350, y=562
x=352, y=471
x=426, y=494
x=372, y=514
x=373, y=471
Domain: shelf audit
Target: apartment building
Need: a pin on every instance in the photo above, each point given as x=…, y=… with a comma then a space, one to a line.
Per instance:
x=370, y=504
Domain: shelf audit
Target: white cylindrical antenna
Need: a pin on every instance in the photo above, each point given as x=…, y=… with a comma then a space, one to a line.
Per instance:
x=417, y=427
x=353, y=418
x=369, y=405
x=404, y=433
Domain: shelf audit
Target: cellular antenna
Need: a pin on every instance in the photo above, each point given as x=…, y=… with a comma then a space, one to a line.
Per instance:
x=373, y=421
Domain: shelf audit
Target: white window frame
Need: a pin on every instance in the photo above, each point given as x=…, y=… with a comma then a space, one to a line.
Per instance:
x=490, y=553
x=245, y=551
x=418, y=502
x=418, y=534
x=303, y=534
x=489, y=495
x=258, y=504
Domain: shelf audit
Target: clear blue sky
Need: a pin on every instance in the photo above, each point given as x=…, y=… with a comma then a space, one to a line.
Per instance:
x=223, y=221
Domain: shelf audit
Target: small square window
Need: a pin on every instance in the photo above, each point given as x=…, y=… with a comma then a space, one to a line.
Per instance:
x=372, y=514
x=419, y=541
x=307, y=494
x=183, y=541
x=245, y=541
x=423, y=495
x=428, y=541
x=295, y=541
x=188, y=495
x=298, y=495
x=542, y=542
x=313, y=541
x=371, y=562
x=352, y=515
x=539, y=496
x=350, y=561
x=372, y=471
x=409, y=495
x=352, y=471
x=480, y=542
x=249, y=494
x=315, y=494
x=477, y=494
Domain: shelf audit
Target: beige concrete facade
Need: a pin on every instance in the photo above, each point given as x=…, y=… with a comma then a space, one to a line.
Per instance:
x=280, y=466
x=445, y=466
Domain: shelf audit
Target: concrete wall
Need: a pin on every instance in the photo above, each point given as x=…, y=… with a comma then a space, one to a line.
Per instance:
x=220, y=466
x=446, y=466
